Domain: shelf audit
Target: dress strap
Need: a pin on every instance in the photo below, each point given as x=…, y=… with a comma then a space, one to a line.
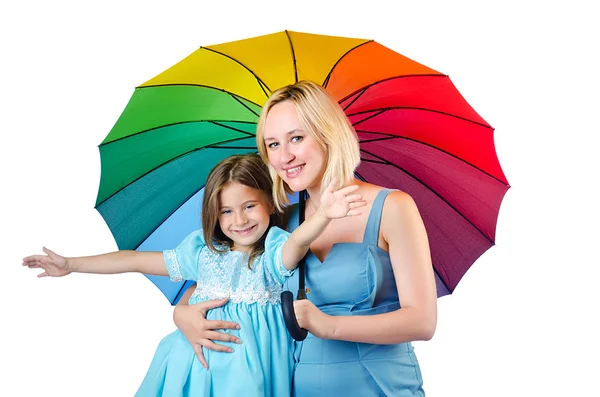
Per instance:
x=372, y=230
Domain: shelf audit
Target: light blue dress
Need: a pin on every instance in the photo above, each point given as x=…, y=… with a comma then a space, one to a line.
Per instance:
x=355, y=279
x=261, y=366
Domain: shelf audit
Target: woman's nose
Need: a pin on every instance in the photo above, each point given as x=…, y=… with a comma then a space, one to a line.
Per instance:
x=286, y=154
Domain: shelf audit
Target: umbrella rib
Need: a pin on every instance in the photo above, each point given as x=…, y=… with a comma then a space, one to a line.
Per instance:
x=382, y=110
x=202, y=86
x=389, y=136
x=376, y=112
x=364, y=88
x=326, y=81
x=232, y=128
x=179, y=293
x=293, y=56
x=431, y=190
x=355, y=99
x=374, y=161
x=173, y=159
x=168, y=216
x=243, y=104
x=259, y=80
x=181, y=122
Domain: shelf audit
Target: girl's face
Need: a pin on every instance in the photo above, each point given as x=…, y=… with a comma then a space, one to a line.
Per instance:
x=295, y=155
x=244, y=214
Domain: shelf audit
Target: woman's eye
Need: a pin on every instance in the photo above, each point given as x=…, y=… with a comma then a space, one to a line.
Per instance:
x=272, y=145
x=296, y=138
x=225, y=212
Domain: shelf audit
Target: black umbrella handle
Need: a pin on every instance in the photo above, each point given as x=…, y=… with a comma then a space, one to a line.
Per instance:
x=289, y=316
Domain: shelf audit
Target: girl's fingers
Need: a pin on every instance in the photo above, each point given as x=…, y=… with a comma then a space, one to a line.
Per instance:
x=200, y=355
x=223, y=337
x=44, y=274
x=33, y=259
x=32, y=265
x=219, y=324
x=348, y=189
x=355, y=198
x=354, y=213
x=52, y=256
x=332, y=185
x=210, y=345
x=357, y=204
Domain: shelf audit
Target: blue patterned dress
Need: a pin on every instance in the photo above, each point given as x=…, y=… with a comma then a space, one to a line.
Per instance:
x=262, y=365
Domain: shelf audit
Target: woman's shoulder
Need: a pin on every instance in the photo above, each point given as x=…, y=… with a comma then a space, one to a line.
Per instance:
x=400, y=214
x=396, y=202
x=394, y=198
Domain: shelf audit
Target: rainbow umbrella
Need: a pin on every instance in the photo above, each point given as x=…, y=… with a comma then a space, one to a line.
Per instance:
x=417, y=133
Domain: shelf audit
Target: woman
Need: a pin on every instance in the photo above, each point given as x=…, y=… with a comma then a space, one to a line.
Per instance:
x=371, y=282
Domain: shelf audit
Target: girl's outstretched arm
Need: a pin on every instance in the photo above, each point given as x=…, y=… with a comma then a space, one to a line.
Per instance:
x=334, y=204
x=55, y=265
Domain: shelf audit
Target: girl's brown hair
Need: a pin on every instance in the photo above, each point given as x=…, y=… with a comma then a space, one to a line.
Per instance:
x=249, y=170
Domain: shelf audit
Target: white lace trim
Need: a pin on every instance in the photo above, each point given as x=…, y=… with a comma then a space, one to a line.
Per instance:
x=280, y=268
x=174, y=267
x=260, y=296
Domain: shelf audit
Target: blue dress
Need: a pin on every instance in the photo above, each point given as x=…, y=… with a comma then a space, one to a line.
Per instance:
x=262, y=365
x=355, y=279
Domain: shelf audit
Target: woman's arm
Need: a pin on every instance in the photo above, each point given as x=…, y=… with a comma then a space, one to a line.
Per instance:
x=403, y=230
x=200, y=332
x=55, y=265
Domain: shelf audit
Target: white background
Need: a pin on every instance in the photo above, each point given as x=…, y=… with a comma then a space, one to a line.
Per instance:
x=521, y=323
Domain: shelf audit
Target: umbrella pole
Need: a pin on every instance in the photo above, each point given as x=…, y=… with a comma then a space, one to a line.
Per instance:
x=287, y=299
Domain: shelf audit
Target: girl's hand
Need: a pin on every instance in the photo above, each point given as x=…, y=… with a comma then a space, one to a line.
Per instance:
x=340, y=203
x=200, y=332
x=314, y=320
x=53, y=264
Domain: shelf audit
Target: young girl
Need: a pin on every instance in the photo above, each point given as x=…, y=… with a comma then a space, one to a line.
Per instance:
x=239, y=253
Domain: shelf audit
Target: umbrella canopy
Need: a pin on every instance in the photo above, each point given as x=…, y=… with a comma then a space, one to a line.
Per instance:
x=417, y=134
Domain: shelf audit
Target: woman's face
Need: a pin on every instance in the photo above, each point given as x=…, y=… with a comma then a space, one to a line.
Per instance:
x=296, y=156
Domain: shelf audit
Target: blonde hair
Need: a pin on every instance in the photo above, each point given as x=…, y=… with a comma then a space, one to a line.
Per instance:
x=249, y=170
x=322, y=118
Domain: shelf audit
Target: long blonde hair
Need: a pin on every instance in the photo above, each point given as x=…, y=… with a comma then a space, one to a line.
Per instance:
x=249, y=170
x=322, y=118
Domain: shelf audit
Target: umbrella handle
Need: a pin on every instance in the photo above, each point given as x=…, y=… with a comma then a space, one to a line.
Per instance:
x=289, y=316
